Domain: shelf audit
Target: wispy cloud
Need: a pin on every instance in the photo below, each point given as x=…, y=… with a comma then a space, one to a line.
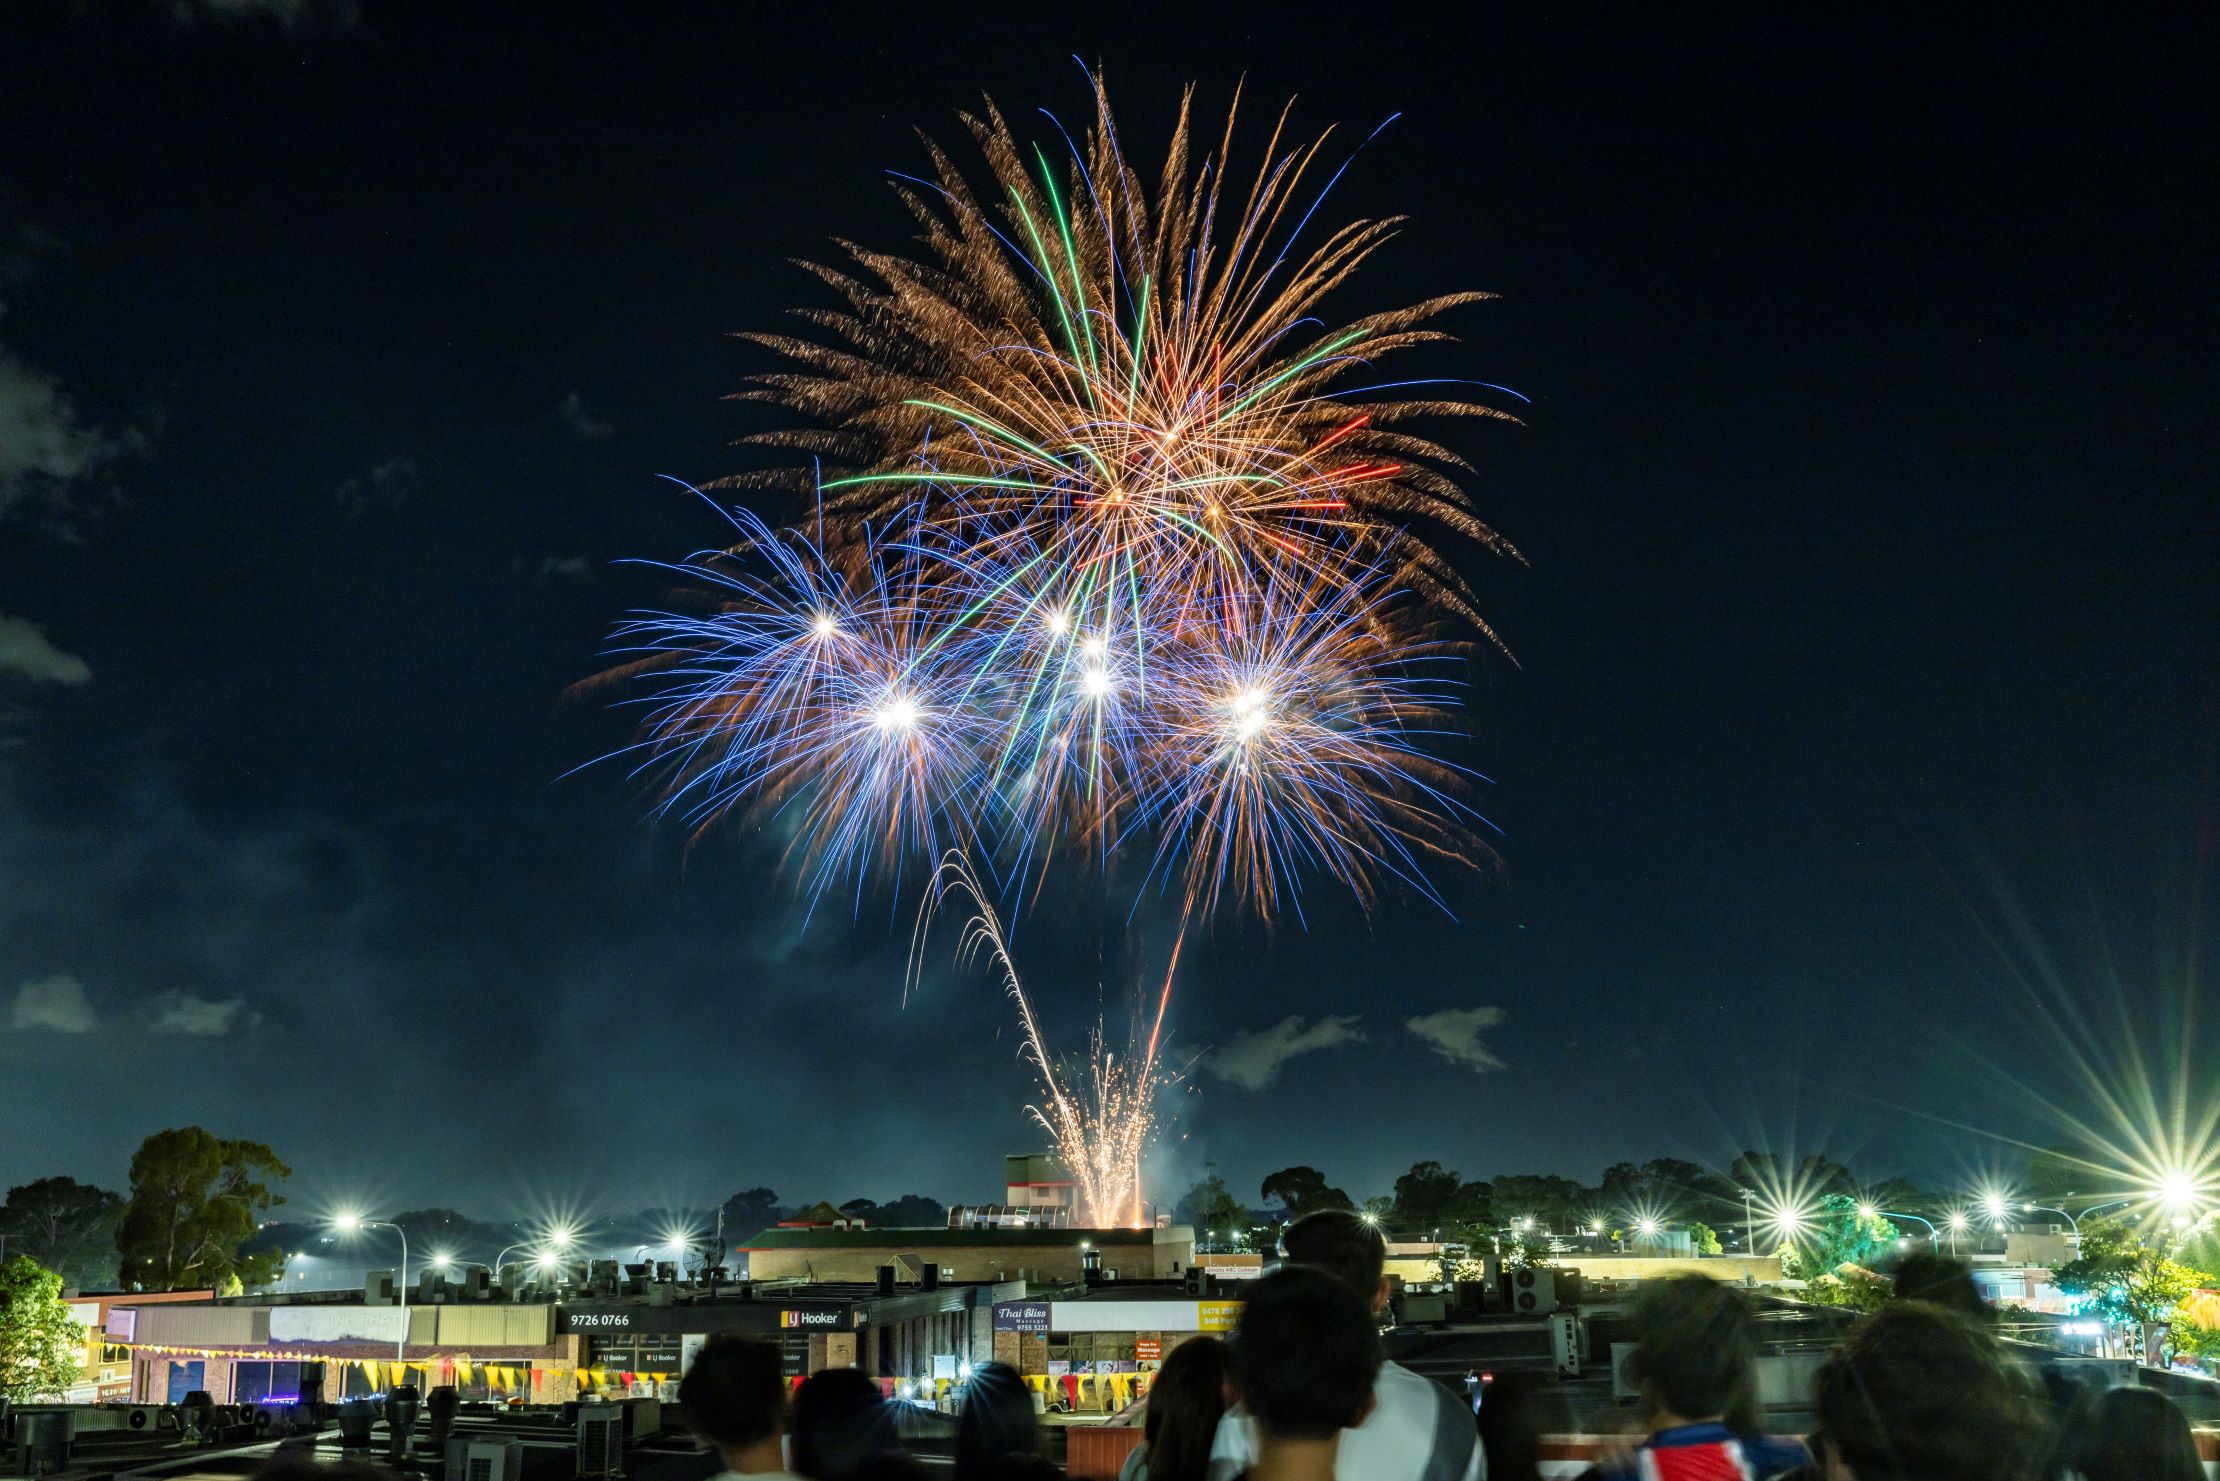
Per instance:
x=46, y=449
x=386, y=486
x=183, y=1014
x=1253, y=1058
x=1454, y=1034
x=26, y=652
x=583, y=422
x=56, y=1003
x=293, y=15
x=568, y=567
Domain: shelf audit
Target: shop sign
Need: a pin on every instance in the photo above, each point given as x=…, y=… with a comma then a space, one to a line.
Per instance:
x=1021, y=1316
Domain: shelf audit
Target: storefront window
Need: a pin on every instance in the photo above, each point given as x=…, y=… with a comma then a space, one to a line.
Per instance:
x=267, y=1383
x=185, y=1378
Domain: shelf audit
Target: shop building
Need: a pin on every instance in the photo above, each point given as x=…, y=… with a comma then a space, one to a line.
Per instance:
x=1053, y=1255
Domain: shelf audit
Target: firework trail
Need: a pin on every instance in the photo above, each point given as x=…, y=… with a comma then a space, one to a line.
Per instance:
x=1102, y=1125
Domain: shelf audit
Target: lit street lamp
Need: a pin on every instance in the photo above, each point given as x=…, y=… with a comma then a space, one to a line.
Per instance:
x=1932, y=1236
x=348, y=1224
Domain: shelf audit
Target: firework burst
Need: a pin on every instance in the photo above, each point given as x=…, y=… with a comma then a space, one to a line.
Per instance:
x=1121, y=547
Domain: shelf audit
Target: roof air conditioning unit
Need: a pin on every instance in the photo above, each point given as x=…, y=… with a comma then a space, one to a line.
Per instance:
x=484, y=1460
x=1533, y=1292
x=377, y=1288
x=600, y=1440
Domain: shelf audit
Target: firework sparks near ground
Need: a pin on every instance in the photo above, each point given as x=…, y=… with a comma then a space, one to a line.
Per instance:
x=1103, y=1117
x=1119, y=546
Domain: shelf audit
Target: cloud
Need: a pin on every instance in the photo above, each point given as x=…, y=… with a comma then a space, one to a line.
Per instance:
x=44, y=448
x=570, y=567
x=198, y=1018
x=584, y=423
x=1454, y=1034
x=57, y=1003
x=1253, y=1058
x=384, y=487
x=293, y=15
x=25, y=651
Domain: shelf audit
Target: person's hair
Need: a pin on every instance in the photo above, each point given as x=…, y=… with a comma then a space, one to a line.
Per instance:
x=734, y=1393
x=1695, y=1350
x=888, y=1465
x=1922, y=1393
x=995, y=1421
x=1185, y=1404
x=1511, y=1427
x=2134, y=1434
x=1307, y=1354
x=1940, y=1281
x=840, y=1421
x=1341, y=1244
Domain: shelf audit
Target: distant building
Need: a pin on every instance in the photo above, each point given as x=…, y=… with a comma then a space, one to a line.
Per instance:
x=1040, y=1180
x=1057, y=1255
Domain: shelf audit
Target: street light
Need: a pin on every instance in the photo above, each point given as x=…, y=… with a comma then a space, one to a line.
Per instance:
x=1956, y=1224
x=348, y=1223
x=2040, y=1208
x=1932, y=1236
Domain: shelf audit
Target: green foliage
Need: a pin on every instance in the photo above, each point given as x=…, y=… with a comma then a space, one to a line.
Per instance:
x=1211, y=1208
x=1525, y=1251
x=1837, y=1235
x=2125, y=1277
x=1706, y=1239
x=1551, y=1201
x=1853, y=1286
x=194, y=1198
x=40, y=1347
x=750, y=1211
x=1424, y=1196
x=1303, y=1190
x=67, y=1226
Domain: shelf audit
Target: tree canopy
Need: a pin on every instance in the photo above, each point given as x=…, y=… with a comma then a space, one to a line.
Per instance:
x=1211, y=1208
x=194, y=1198
x=1836, y=1234
x=40, y=1347
x=1303, y=1190
x=67, y=1226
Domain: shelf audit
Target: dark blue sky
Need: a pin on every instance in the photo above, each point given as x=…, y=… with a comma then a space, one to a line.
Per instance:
x=1867, y=498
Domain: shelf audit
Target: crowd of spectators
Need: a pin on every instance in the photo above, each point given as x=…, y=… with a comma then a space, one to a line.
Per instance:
x=1922, y=1390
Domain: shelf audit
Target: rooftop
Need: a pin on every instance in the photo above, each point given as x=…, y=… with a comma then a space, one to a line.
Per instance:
x=941, y=1239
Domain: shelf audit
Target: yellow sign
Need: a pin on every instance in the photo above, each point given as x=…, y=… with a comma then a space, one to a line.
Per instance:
x=1217, y=1316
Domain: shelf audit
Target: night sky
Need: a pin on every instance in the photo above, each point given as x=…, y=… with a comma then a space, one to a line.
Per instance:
x=1861, y=725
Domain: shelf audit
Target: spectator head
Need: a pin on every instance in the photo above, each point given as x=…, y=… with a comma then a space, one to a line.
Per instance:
x=1511, y=1427
x=1185, y=1404
x=1306, y=1355
x=1345, y=1247
x=734, y=1393
x=2134, y=1434
x=1921, y=1393
x=840, y=1422
x=1940, y=1281
x=1695, y=1351
x=995, y=1421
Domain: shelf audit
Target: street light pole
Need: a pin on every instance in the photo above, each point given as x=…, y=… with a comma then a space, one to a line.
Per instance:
x=350, y=1222
x=1932, y=1237
x=2043, y=1208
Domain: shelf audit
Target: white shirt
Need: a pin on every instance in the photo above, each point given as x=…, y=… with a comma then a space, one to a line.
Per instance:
x=1393, y=1444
